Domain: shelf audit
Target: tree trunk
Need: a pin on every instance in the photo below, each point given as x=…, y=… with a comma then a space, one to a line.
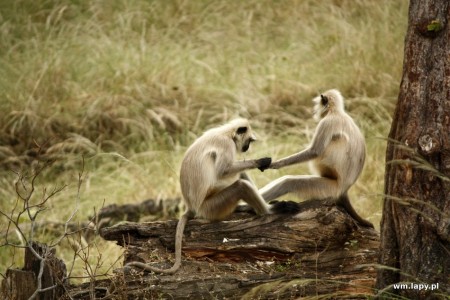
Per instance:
x=22, y=284
x=415, y=229
x=320, y=251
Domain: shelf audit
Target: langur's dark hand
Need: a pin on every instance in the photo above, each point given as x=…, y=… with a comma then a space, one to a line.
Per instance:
x=263, y=163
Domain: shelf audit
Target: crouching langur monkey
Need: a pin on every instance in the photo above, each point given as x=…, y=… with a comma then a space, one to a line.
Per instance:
x=212, y=182
x=336, y=154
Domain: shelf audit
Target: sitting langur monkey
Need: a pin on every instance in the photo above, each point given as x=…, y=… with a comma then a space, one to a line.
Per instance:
x=337, y=154
x=212, y=182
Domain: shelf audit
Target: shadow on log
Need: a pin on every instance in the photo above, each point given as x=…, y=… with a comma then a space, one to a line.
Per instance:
x=320, y=251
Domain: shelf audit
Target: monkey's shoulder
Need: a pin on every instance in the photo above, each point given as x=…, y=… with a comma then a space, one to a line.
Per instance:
x=339, y=136
x=208, y=143
x=216, y=154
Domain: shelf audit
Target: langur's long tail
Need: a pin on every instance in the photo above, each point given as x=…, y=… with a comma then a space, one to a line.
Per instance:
x=344, y=202
x=178, y=242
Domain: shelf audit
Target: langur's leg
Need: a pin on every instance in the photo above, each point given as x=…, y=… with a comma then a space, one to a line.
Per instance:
x=222, y=204
x=306, y=186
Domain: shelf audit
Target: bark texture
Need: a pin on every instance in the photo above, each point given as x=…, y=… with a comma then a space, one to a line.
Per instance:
x=415, y=229
x=320, y=251
x=22, y=284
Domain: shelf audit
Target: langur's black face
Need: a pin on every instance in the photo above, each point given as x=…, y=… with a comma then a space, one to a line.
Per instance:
x=321, y=106
x=324, y=100
x=246, y=145
x=243, y=138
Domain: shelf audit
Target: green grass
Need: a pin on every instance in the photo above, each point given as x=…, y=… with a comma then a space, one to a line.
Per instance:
x=128, y=85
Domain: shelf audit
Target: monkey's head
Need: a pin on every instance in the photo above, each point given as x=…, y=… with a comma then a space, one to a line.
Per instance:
x=242, y=134
x=327, y=102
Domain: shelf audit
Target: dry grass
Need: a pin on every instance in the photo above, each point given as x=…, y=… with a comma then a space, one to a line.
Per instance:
x=130, y=84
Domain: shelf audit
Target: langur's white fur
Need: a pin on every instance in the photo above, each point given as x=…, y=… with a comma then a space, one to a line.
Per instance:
x=336, y=154
x=210, y=180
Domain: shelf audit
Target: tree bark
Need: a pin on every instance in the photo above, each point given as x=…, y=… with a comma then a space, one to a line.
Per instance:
x=320, y=251
x=415, y=228
x=22, y=284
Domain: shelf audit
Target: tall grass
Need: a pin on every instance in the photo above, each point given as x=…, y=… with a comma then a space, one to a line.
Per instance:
x=128, y=85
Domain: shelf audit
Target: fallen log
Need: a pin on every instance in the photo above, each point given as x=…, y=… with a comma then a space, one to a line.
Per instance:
x=150, y=209
x=320, y=251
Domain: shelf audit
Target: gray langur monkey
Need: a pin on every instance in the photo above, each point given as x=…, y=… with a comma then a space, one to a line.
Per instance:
x=212, y=182
x=336, y=154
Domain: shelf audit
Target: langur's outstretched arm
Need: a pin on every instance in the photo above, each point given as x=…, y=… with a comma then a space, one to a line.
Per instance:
x=243, y=165
x=296, y=158
x=321, y=139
